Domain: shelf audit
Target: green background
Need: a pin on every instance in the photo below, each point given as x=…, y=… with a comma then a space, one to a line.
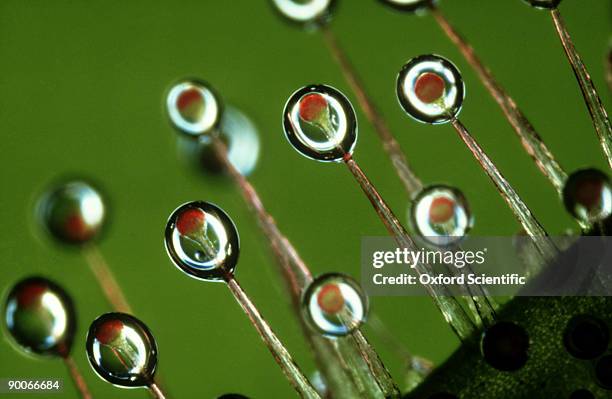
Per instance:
x=82, y=86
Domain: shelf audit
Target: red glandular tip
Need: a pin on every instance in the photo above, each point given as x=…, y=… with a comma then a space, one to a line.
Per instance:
x=441, y=210
x=30, y=294
x=330, y=299
x=109, y=331
x=188, y=98
x=429, y=87
x=190, y=221
x=313, y=107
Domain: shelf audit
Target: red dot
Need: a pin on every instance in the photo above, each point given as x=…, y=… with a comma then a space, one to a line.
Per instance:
x=76, y=229
x=190, y=221
x=429, y=87
x=108, y=331
x=188, y=98
x=330, y=299
x=441, y=210
x=312, y=107
x=30, y=294
x=589, y=192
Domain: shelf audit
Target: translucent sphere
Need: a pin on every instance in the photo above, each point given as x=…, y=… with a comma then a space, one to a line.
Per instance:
x=545, y=4
x=40, y=317
x=334, y=305
x=305, y=11
x=441, y=215
x=202, y=241
x=430, y=89
x=240, y=136
x=122, y=350
x=587, y=195
x=320, y=123
x=193, y=107
x=73, y=212
x=410, y=5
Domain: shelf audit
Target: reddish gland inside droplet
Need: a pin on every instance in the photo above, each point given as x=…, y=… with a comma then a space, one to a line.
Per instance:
x=441, y=210
x=429, y=87
x=76, y=229
x=30, y=295
x=313, y=107
x=190, y=104
x=330, y=299
x=588, y=193
x=109, y=331
x=190, y=221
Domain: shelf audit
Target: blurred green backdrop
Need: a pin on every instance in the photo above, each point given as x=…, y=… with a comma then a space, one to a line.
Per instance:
x=82, y=87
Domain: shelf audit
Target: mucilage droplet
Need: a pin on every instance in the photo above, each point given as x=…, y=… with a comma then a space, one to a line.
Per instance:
x=73, y=212
x=320, y=123
x=40, y=317
x=430, y=89
x=122, y=350
x=544, y=4
x=193, y=108
x=587, y=195
x=202, y=241
x=441, y=215
x=305, y=12
x=334, y=305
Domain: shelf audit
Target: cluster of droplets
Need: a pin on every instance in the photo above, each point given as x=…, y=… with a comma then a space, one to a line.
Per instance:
x=441, y=215
x=430, y=89
x=202, y=241
x=334, y=305
x=320, y=123
x=73, y=212
x=40, y=317
x=122, y=350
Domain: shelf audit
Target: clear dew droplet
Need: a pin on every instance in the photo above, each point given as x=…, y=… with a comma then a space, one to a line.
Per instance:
x=320, y=123
x=73, y=212
x=334, y=305
x=40, y=317
x=305, y=11
x=193, y=107
x=441, y=215
x=202, y=241
x=430, y=89
x=587, y=195
x=122, y=350
x=416, y=6
x=543, y=4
